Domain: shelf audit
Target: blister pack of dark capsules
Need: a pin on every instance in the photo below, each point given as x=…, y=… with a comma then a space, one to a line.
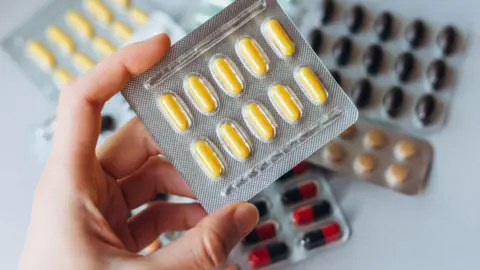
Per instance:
x=397, y=69
x=240, y=101
x=299, y=218
x=380, y=155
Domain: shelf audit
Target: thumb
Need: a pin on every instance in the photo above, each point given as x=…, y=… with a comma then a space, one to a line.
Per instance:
x=208, y=244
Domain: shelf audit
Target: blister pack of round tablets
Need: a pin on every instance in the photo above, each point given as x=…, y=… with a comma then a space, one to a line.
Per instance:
x=379, y=155
x=397, y=69
x=239, y=101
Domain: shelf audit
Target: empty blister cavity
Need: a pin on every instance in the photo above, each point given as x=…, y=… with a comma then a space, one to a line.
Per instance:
x=253, y=57
x=277, y=38
x=61, y=39
x=259, y=121
x=234, y=140
x=201, y=93
x=285, y=102
x=78, y=22
x=226, y=75
x=42, y=56
x=175, y=112
x=311, y=85
x=208, y=158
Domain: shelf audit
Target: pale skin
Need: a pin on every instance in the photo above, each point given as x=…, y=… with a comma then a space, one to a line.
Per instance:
x=80, y=209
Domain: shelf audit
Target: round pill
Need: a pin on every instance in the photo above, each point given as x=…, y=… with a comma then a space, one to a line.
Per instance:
x=316, y=40
x=425, y=109
x=415, y=33
x=354, y=19
x=341, y=51
x=327, y=10
x=349, y=132
x=404, y=66
x=375, y=139
x=393, y=100
x=383, y=26
x=362, y=93
x=108, y=123
x=336, y=75
x=404, y=150
x=364, y=163
x=372, y=59
x=334, y=152
x=446, y=40
x=396, y=174
x=436, y=74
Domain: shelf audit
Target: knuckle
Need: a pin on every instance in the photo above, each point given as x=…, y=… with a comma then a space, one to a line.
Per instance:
x=213, y=251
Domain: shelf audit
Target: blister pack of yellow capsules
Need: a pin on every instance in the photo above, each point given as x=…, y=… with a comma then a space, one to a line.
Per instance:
x=239, y=102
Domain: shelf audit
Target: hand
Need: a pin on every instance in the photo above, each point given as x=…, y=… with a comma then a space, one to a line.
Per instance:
x=80, y=211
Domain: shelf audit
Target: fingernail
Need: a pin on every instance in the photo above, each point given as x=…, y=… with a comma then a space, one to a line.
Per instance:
x=245, y=218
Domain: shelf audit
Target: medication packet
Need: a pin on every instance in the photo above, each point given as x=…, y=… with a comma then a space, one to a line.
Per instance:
x=240, y=101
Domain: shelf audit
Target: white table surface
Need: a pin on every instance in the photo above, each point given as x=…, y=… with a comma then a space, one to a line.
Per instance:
x=439, y=229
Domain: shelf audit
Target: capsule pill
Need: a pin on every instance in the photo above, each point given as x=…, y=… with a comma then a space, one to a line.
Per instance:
x=299, y=193
x=261, y=233
x=41, y=55
x=425, y=109
x=320, y=237
x=342, y=50
x=282, y=42
x=299, y=169
x=262, y=208
x=447, y=40
x=201, y=94
x=122, y=31
x=208, y=159
x=82, y=62
x=316, y=40
x=99, y=11
x=62, y=76
x=81, y=25
x=173, y=110
x=327, y=10
x=372, y=59
x=138, y=16
x=415, y=33
x=393, y=101
x=268, y=255
x=252, y=56
x=436, y=74
x=362, y=93
x=226, y=76
x=285, y=102
x=383, y=26
x=57, y=36
x=336, y=75
x=354, y=19
x=103, y=46
x=311, y=85
x=108, y=123
x=122, y=3
x=309, y=213
x=235, y=140
x=404, y=66
x=259, y=121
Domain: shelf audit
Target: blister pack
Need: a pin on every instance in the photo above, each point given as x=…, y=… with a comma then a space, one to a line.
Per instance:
x=398, y=70
x=379, y=155
x=239, y=101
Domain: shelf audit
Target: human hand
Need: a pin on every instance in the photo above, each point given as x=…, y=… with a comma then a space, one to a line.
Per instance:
x=81, y=205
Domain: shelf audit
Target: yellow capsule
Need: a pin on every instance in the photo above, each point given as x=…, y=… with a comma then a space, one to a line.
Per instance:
x=279, y=37
x=62, y=76
x=226, y=74
x=60, y=38
x=122, y=3
x=103, y=46
x=99, y=11
x=252, y=56
x=201, y=94
x=174, y=112
x=83, y=62
x=79, y=23
x=234, y=139
x=41, y=55
x=122, y=31
x=259, y=121
x=311, y=85
x=138, y=16
x=285, y=103
x=208, y=158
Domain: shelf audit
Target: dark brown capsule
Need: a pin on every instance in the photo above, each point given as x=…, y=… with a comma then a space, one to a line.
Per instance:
x=316, y=40
x=108, y=123
x=362, y=93
x=372, y=59
x=415, y=33
x=354, y=19
x=383, y=26
x=437, y=74
x=425, y=109
x=336, y=75
x=447, y=39
x=342, y=50
x=327, y=9
x=404, y=66
x=393, y=100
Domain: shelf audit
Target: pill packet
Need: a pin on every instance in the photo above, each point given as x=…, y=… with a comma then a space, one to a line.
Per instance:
x=300, y=218
x=248, y=124
x=380, y=155
x=417, y=101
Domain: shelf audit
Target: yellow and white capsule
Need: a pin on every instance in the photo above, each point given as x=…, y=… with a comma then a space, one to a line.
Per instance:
x=103, y=46
x=208, y=158
x=234, y=140
x=252, y=56
x=175, y=111
x=278, y=38
x=226, y=75
x=99, y=11
x=122, y=31
x=311, y=85
x=81, y=25
x=138, y=16
x=82, y=62
x=259, y=121
x=201, y=93
x=61, y=39
x=41, y=55
x=285, y=102
x=62, y=76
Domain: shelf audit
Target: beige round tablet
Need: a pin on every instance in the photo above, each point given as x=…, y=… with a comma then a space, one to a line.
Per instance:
x=333, y=152
x=396, y=174
x=404, y=150
x=375, y=139
x=364, y=163
x=349, y=132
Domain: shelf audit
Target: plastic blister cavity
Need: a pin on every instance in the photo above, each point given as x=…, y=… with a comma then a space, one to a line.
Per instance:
x=277, y=38
x=201, y=93
x=208, y=158
x=252, y=56
x=286, y=103
x=175, y=111
x=227, y=75
x=311, y=85
x=234, y=139
x=259, y=121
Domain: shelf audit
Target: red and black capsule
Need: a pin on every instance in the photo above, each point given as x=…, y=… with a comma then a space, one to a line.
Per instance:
x=297, y=170
x=262, y=232
x=269, y=254
x=310, y=213
x=299, y=193
x=262, y=208
x=320, y=237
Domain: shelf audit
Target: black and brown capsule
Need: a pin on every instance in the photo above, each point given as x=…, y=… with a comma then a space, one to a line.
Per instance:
x=316, y=40
x=393, y=100
x=336, y=75
x=383, y=26
x=404, y=66
x=372, y=59
x=354, y=19
x=327, y=10
x=342, y=50
x=447, y=40
x=437, y=74
x=425, y=109
x=361, y=93
x=108, y=123
x=415, y=33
